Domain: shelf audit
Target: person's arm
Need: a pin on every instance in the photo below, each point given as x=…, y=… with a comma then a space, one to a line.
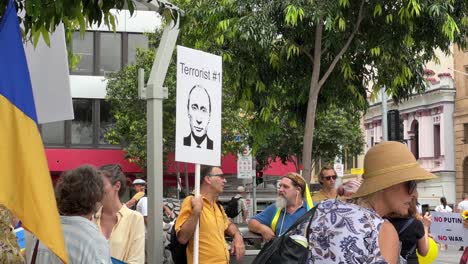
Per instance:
x=423, y=242
x=237, y=246
x=389, y=243
x=134, y=199
x=259, y=228
x=187, y=228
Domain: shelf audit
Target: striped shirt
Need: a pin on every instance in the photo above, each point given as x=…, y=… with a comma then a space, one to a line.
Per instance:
x=84, y=243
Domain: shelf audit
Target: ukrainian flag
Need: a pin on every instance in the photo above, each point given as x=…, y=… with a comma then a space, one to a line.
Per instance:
x=25, y=185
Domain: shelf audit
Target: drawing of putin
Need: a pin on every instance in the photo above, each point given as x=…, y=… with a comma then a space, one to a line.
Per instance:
x=199, y=114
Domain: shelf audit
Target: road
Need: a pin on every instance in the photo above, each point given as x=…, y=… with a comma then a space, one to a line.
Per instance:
x=451, y=256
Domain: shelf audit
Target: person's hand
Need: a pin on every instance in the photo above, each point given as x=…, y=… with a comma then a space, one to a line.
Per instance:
x=426, y=220
x=349, y=188
x=267, y=233
x=197, y=204
x=237, y=246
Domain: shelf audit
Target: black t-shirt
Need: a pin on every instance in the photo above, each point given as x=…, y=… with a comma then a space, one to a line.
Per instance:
x=409, y=237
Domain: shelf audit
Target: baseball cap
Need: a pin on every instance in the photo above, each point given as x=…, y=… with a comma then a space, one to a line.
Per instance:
x=139, y=181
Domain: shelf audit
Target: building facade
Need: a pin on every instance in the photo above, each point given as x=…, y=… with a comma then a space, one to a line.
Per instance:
x=461, y=120
x=426, y=126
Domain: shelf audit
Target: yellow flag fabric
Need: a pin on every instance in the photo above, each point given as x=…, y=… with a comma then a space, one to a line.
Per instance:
x=26, y=187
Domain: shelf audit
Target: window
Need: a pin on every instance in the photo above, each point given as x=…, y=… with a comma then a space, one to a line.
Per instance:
x=465, y=133
x=436, y=141
x=82, y=125
x=106, y=122
x=84, y=48
x=53, y=133
x=135, y=41
x=110, y=52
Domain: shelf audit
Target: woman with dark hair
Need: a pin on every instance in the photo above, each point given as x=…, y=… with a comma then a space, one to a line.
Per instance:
x=122, y=227
x=443, y=208
x=413, y=232
x=78, y=194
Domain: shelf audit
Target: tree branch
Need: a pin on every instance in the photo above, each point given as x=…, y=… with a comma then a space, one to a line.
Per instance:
x=345, y=47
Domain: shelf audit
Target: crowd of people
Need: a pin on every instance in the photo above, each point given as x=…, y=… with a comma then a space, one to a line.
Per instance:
x=374, y=220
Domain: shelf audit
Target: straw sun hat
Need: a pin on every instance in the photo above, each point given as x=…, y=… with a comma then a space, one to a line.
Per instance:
x=387, y=164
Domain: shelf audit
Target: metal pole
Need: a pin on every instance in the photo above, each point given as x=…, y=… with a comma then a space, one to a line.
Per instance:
x=187, y=189
x=254, y=188
x=155, y=94
x=384, y=115
x=197, y=229
x=179, y=184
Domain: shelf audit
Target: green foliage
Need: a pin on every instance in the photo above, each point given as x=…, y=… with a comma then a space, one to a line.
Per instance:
x=43, y=16
x=271, y=46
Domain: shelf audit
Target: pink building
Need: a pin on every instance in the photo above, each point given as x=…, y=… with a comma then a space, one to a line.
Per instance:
x=426, y=122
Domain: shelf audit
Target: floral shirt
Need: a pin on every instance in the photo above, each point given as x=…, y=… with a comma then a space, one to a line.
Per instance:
x=343, y=233
x=9, y=249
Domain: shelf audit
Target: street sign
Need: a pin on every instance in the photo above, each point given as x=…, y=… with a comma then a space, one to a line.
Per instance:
x=357, y=171
x=244, y=166
x=198, y=113
x=339, y=169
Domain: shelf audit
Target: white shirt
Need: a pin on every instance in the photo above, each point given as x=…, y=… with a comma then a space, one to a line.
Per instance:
x=142, y=206
x=463, y=205
x=440, y=208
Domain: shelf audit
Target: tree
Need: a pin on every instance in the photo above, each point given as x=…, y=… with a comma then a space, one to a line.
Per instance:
x=130, y=112
x=281, y=54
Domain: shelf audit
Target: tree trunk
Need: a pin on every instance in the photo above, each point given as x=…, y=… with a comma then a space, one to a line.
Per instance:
x=309, y=131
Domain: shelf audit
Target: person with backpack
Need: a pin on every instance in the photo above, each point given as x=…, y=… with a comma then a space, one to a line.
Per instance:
x=214, y=223
x=236, y=208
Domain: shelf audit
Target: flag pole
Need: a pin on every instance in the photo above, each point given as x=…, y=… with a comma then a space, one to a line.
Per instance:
x=197, y=228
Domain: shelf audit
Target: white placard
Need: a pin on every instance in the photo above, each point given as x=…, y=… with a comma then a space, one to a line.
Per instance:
x=447, y=228
x=198, y=114
x=339, y=169
x=244, y=166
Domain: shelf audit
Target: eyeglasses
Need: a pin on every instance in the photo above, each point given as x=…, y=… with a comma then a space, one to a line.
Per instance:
x=221, y=175
x=327, y=178
x=412, y=185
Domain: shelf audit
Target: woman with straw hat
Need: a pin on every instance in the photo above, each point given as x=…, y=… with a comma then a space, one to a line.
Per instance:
x=356, y=232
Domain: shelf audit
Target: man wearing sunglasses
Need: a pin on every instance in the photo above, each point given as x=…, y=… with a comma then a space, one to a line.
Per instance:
x=214, y=224
x=327, y=179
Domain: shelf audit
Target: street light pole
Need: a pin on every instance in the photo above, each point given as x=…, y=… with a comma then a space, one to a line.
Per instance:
x=154, y=94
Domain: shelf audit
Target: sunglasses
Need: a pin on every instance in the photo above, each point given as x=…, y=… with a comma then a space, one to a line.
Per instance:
x=328, y=178
x=221, y=175
x=412, y=185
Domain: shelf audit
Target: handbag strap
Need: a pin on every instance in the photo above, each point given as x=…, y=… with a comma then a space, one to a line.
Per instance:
x=309, y=214
x=33, y=259
x=406, y=225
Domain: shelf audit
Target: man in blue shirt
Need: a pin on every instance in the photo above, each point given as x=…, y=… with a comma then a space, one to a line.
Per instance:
x=292, y=202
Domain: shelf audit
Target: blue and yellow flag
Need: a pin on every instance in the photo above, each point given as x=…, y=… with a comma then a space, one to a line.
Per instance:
x=26, y=187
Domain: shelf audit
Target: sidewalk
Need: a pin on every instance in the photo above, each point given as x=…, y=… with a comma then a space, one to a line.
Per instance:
x=451, y=256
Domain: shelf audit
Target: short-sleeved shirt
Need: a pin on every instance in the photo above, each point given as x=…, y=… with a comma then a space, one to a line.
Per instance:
x=440, y=208
x=127, y=239
x=213, y=223
x=409, y=237
x=284, y=220
x=142, y=206
x=463, y=205
x=83, y=241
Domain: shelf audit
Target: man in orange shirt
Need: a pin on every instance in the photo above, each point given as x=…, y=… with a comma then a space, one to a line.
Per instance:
x=214, y=224
x=327, y=178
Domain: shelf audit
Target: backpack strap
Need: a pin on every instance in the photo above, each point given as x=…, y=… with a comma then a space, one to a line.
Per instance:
x=275, y=219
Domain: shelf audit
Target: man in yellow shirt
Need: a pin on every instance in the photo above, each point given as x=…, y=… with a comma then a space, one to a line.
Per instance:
x=214, y=224
x=326, y=178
